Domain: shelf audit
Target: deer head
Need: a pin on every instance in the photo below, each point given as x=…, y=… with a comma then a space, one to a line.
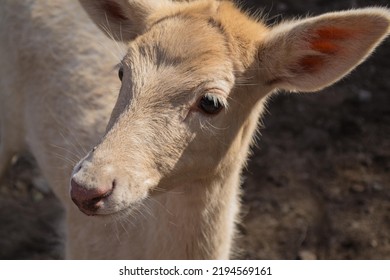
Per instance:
x=194, y=79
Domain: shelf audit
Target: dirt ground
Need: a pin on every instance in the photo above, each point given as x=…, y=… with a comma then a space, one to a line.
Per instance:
x=316, y=187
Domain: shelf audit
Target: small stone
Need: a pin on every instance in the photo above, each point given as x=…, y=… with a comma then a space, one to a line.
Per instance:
x=377, y=187
x=355, y=225
x=374, y=243
x=334, y=192
x=14, y=160
x=307, y=255
x=364, y=95
x=285, y=209
x=37, y=196
x=358, y=188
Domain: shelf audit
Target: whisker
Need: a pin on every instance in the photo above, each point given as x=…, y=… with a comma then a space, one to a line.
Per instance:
x=161, y=190
x=161, y=205
x=61, y=129
x=65, y=159
x=76, y=156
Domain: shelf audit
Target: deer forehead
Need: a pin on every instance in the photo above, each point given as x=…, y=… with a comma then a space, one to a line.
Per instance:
x=178, y=55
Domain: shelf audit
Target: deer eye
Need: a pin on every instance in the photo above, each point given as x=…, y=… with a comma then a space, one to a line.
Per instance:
x=210, y=104
x=120, y=73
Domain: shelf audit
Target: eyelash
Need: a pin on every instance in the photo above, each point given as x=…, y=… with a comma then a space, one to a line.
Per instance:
x=211, y=104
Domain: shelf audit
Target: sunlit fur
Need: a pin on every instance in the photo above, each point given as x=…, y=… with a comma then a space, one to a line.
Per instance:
x=176, y=169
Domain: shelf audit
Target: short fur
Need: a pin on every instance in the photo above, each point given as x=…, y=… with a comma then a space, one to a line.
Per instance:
x=164, y=171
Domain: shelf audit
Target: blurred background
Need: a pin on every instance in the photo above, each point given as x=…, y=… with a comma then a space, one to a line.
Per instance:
x=316, y=187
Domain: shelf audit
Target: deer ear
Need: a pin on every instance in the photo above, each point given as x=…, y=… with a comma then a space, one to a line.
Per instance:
x=122, y=20
x=310, y=54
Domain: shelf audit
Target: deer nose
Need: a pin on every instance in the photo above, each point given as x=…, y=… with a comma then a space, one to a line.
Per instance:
x=89, y=200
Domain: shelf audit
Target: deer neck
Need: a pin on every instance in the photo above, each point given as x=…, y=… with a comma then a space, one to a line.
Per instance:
x=195, y=221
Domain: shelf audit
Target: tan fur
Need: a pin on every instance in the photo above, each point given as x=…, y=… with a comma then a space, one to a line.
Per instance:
x=175, y=170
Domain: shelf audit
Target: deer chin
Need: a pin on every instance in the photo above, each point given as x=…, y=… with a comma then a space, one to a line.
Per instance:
x=116, y=204
x=122, y=211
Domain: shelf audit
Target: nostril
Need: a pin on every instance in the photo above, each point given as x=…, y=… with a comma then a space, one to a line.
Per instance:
x=106, y=194
x=78, y=168
x=88, y=198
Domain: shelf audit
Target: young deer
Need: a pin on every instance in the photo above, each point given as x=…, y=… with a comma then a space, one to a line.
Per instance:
x=195, y=78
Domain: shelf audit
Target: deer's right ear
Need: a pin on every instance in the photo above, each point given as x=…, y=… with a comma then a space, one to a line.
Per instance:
x=122, y=20
x=310, y=54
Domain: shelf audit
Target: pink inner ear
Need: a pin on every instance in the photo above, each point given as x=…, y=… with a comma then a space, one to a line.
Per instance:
x=311, y=63
x=328, y=38
x=114, y=10
x=334, y=33
x=327, y=41
x=324, y=46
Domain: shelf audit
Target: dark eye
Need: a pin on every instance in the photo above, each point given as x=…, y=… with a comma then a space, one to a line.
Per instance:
x=120, y=73
x=210, y=104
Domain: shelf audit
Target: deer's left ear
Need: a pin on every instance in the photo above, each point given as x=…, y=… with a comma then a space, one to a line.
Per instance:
x=310, y=54
x=122, y=20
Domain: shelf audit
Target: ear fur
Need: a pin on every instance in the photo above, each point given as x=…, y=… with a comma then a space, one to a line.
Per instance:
x=310, y=54
x=122, y=20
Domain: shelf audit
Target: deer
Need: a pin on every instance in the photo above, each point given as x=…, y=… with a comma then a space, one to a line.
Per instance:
x=166, y=127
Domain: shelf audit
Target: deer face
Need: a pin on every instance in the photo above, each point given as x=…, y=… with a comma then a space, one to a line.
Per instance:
x=182, y=112
x=170, y=119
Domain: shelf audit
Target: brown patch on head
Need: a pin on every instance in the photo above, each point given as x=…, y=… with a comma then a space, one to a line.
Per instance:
x=113, y=10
